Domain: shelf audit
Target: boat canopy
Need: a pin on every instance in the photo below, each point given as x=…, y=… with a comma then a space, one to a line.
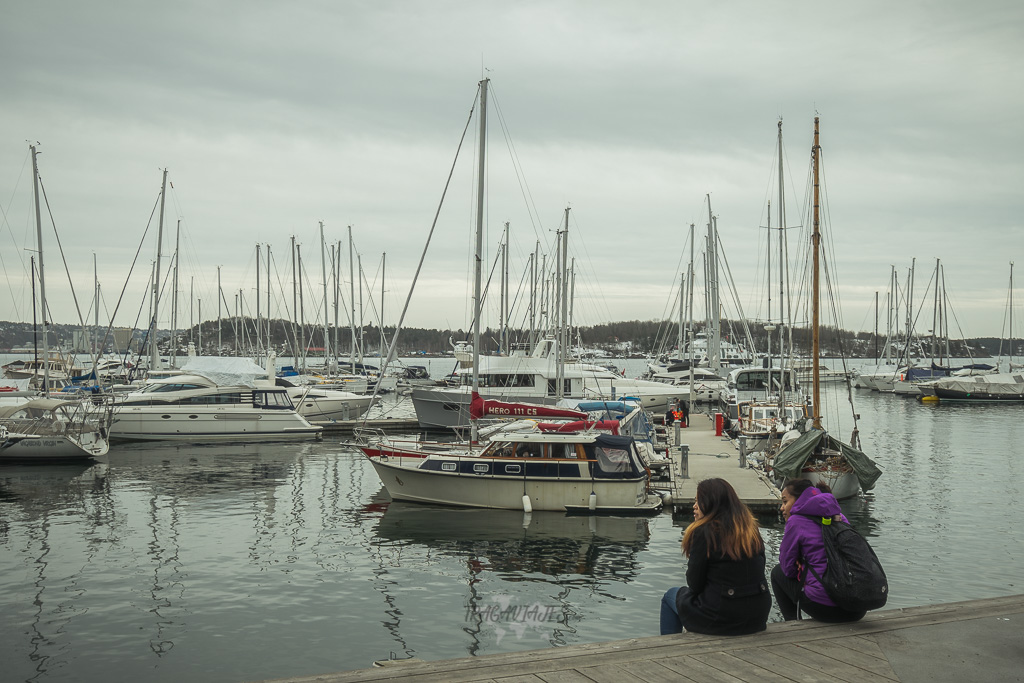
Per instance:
x=35, y=407
x=609, y=406
x=920, y=374
x=791, y=458
x=616, y=457
x=225, y=370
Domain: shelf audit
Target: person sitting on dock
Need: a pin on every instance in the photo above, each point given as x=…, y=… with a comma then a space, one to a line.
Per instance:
x=797, y=589
x=726, y=591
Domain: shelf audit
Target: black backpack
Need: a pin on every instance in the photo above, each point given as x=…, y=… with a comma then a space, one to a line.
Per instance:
x=854, y=577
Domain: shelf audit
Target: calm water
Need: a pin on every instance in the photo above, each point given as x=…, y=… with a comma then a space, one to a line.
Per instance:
x=240, y=563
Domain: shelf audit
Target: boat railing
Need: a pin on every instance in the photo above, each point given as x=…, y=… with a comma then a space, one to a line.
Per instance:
x=366, y=435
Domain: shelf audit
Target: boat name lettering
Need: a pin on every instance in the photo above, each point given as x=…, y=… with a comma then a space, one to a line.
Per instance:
x=498, y=410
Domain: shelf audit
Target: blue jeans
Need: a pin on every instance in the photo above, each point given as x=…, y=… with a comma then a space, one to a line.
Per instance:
x=670, y=622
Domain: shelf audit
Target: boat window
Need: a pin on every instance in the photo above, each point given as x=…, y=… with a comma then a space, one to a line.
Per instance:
x=553, y=387
x=569, y=451
x=210, y=399
x=272, y=399
x=613, y=459
x=158, y=388
x=506, y=380
x=528, y=450
x=481, y=467
x=513, y=469
x=448, y=466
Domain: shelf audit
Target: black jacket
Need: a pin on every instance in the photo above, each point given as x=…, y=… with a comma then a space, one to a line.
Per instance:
x=723, y=596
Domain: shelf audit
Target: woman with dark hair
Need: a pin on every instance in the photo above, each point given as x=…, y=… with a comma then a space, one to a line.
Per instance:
x=795, y=586
x=726, y=592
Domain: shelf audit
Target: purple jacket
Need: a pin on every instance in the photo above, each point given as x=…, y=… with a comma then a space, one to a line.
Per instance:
x=801, y=541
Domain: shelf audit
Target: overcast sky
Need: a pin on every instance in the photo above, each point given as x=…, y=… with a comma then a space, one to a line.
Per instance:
x=271, y=117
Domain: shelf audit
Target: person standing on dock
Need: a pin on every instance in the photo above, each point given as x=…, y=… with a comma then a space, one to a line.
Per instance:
x=726, y=590
x=797, y=588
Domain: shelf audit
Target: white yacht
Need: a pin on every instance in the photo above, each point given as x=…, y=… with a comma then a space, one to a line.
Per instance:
x=213, y=399
x=533, y=378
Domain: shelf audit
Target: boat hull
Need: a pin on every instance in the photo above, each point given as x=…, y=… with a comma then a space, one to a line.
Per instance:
x=37, y=448
x=405, y=480
x=186, y=423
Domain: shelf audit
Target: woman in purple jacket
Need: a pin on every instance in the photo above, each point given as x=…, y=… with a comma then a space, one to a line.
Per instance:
x=794, y=585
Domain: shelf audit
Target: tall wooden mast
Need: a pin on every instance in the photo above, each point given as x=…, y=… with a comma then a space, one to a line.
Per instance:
x=815, y=295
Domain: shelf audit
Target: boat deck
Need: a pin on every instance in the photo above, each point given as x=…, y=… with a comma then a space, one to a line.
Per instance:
x=715, y=456
x=977, y=640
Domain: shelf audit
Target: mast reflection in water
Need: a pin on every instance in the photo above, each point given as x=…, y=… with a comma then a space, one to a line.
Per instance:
x=527, y=576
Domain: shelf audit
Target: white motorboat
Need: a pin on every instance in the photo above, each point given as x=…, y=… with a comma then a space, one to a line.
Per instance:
x=317, y=403
x=761, y=422
x=759, y=384
x=214, y=399
x=706, y=387
x=533, y=379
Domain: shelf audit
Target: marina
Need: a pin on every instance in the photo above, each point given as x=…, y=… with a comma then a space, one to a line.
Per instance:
x=256, y=561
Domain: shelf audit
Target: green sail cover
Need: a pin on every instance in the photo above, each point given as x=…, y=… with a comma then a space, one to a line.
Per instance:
x=791, y=458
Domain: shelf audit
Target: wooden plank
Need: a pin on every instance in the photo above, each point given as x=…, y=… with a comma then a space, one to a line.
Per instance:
x=864, y=644
x=609, y=674
x=516, y=679
x=838, y=649
x=653, y=672
x=697, y=670
x=740, y=668
x=782, y=666
x=563, y=676
x=833, y=668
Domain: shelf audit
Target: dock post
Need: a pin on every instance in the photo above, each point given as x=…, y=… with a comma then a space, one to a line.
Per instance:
x=679, y=433
x=743, y=451
x=684, y=461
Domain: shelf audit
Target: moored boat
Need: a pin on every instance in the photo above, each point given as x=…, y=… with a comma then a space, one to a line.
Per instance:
x=40, y=429
x=583, y=471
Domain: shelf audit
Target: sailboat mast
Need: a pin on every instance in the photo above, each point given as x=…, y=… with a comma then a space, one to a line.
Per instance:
x=815, y=303
x=259, y=320
x=327, y=322
x=352, y=303
x=503, y=337
x=782, y=261
x=174, y=296
x=563, y=311
x=154, y=355
x=42, y=281
x=689, y=306
x=478, y=256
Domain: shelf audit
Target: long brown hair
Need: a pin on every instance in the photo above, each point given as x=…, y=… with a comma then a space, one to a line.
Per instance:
x=727, y=521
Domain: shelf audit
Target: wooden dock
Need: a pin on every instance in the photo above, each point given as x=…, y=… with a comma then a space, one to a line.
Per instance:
x=714, y=456
x=978, y=640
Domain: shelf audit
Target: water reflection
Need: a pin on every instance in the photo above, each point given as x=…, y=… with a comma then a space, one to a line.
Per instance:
x=536, y=573
x=533, y=547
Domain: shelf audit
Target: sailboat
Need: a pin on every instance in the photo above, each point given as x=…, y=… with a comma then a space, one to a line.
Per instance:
x=1001, y=386
x=815, y=454
x=585, y=470
x=40, y=429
